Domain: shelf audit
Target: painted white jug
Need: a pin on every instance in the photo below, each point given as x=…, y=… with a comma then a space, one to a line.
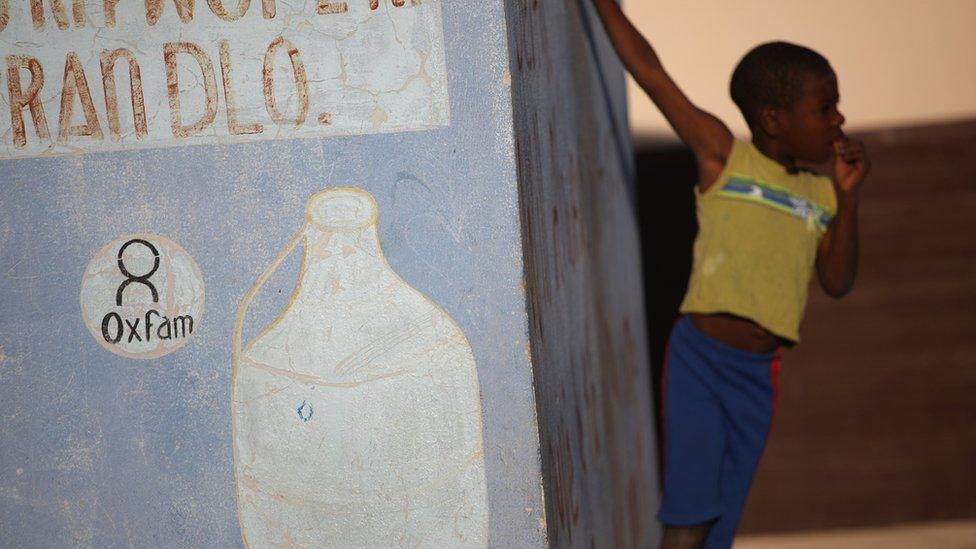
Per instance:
x=356, y=413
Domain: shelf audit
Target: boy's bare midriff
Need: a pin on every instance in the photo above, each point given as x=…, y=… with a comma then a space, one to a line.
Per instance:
x=737, y=332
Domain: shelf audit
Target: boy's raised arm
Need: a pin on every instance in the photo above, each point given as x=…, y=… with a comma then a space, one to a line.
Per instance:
x=707, y=136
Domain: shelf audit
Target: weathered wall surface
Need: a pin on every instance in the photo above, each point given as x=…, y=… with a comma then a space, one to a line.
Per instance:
x=119, y=77
x=136, y=447
x=583, y=275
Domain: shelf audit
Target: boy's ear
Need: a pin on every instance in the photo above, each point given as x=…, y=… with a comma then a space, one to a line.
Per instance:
x=771, y=120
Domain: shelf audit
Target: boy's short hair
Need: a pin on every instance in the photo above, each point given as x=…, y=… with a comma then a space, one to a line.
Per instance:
x=771, y=74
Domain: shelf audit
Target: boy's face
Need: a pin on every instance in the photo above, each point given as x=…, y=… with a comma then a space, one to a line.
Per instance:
x=813, y=123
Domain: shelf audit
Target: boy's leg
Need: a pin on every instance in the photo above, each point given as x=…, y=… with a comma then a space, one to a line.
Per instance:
x=693, y=440
x=749, y=394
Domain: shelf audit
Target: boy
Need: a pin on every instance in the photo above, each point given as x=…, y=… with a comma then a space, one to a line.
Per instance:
x=764, y=225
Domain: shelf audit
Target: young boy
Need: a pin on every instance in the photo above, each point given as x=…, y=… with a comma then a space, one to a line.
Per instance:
x=764, y=225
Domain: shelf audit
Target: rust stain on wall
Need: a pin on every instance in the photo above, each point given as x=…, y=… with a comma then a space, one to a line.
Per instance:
x=565, y=500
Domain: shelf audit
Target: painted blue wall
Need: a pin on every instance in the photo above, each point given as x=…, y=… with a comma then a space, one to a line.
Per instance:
x=99, y=450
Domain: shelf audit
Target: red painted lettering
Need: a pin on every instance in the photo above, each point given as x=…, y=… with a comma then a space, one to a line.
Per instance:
x=30, y=99
x=173, y=88
x=76, y=84
x=108, y=60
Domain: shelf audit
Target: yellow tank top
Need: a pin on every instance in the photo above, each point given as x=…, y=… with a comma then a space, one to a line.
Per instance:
x=758, y=230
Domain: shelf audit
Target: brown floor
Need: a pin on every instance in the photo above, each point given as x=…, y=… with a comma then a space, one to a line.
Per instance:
x=936, y=535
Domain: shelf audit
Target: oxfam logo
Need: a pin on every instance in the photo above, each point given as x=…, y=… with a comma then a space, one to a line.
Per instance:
x=142, y=296
x=142, y=279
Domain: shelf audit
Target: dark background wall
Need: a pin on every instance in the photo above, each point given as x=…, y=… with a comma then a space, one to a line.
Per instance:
x=876, y=421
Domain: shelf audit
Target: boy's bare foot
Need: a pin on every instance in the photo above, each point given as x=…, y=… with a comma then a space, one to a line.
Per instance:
x=685, y=537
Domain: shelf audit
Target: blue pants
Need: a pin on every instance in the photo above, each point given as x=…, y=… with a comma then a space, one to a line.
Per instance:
x=718, y=404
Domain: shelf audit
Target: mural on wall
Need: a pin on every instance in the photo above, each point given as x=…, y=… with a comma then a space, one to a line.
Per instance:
x=356, y=413
x=142, y=296
x=112, y=75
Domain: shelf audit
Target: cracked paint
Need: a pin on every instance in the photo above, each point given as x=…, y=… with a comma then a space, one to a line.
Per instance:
x=315, y=457
x=172, y=73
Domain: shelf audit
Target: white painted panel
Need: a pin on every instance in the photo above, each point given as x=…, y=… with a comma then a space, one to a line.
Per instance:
x=214, y=72
x=357, y=416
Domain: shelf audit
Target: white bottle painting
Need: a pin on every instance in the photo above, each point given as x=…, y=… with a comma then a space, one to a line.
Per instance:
x=356, y=413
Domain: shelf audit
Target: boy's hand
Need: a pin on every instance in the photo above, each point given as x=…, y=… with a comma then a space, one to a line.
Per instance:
x=837, y=252
x=851, y=165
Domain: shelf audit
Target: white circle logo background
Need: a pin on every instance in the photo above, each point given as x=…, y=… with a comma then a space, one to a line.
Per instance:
x=160, y=288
